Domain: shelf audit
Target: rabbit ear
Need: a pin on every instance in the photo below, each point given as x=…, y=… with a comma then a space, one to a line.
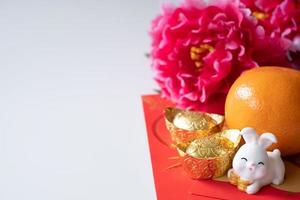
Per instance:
x=266, y=139
x=249, y=135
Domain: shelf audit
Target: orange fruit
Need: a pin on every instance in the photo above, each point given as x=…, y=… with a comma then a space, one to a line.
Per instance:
x=267, y=99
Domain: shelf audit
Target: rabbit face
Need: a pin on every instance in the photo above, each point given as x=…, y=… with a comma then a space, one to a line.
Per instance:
x=251, y=162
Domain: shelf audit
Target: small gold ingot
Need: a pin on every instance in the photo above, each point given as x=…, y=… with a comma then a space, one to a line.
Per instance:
x=240, y=183
x=211, y=156
x=186, y=126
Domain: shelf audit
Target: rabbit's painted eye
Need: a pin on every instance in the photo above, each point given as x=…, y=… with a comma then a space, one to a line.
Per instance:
x=244, y=159
x=261, y=163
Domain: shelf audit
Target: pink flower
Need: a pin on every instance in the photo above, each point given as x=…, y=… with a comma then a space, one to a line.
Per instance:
x=280, y=21
x=198, y=51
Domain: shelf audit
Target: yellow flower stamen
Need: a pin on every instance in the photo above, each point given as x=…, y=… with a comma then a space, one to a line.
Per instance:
x=197, y=53
x=260, y=15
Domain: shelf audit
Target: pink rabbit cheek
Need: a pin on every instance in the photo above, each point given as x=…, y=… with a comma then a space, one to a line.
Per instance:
x=260, y=171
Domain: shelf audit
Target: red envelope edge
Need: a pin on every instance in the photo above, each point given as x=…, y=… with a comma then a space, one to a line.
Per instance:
x=171, y=182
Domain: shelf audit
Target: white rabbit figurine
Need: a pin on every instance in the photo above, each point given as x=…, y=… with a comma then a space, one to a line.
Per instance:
x=252, y=163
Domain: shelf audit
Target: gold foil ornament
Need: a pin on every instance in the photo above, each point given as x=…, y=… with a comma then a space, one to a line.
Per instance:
x=211, y=156
x=236, y=180
x=186, y=126
x=206, y=152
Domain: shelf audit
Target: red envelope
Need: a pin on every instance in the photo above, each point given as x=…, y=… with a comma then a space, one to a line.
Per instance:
x=172, y=183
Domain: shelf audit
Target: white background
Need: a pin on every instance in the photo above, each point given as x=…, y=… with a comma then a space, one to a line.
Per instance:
x=71, y=118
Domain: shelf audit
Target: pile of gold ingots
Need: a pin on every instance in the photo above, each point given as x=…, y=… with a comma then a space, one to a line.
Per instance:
x=205, y=146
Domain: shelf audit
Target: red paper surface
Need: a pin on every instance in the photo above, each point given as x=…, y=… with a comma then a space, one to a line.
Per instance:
x=171, y=182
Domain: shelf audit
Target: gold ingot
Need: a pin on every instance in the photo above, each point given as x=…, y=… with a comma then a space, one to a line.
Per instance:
x=240, y=183
x=211, y=156
x=216, y=145
x=186, y=126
